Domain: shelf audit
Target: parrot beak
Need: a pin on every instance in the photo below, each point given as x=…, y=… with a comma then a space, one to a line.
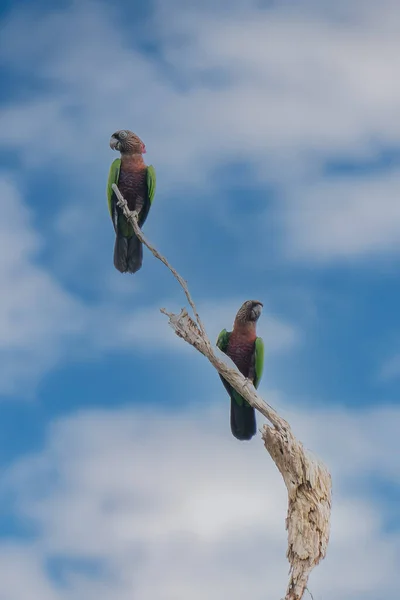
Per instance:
x=256, y=310
x=143, y=149
x=114, y=143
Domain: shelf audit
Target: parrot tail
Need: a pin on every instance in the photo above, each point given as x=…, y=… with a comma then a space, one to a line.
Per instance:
x=128, y=254
x=135, y=254
x=243, y=420
x=120, y=253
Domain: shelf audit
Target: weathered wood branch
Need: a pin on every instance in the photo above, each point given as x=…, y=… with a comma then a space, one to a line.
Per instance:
x=307, y=480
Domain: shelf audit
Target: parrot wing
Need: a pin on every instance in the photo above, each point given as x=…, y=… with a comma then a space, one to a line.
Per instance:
x=151, y=190
x=259, y=361
x=151, y=182
x=223, y=339
x=113, y=177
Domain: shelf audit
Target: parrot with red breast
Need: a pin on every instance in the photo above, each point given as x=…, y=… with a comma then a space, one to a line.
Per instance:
x=246, y=350
x=137, y=183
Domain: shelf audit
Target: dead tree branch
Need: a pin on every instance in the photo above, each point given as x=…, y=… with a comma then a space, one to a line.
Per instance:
x=307, y=480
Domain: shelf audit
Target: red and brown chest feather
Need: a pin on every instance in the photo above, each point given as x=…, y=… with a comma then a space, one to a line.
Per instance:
x=241, y=349
x=132, y=182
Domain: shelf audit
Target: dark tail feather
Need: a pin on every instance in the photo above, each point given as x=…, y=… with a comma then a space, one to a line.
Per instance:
x=120, y=253
x=128, y=254
x=135, y=254
x=243, y=420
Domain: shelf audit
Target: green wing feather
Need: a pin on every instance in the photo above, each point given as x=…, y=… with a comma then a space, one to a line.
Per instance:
x=151, y=191
x=151, y=182
x=223, y=339
x=259, y=361
x=113, y=177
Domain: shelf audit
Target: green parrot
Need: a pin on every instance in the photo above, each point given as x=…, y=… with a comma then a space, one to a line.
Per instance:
x=137, y=183
x=246, y=350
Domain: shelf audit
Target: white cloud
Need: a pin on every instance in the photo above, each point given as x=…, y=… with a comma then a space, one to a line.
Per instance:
x=170, y=505
x=343, y=218
x=36, y=315
x=15, y=561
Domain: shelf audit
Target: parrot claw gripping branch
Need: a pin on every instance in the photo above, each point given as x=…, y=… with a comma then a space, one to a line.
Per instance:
x=307, y=480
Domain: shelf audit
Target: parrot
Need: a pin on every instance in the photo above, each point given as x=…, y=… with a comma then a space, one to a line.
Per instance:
x=137, y=183
x=246, y=350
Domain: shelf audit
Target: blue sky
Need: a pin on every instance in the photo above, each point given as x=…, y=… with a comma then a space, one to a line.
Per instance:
x=274, y=130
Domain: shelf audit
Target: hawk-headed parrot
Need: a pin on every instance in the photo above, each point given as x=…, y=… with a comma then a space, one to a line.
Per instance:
x=246, y=350
x=137, y=183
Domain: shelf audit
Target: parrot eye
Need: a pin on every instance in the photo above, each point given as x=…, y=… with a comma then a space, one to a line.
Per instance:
x=123, y=135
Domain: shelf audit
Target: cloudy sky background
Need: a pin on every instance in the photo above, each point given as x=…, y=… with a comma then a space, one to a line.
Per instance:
x=275, y=132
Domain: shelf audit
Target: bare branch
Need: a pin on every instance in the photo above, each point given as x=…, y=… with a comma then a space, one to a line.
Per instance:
x=307, y=480
x=132, y=217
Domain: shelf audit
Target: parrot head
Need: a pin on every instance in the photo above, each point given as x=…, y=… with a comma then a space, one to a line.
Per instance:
x=249, y=311
x=127, y=142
